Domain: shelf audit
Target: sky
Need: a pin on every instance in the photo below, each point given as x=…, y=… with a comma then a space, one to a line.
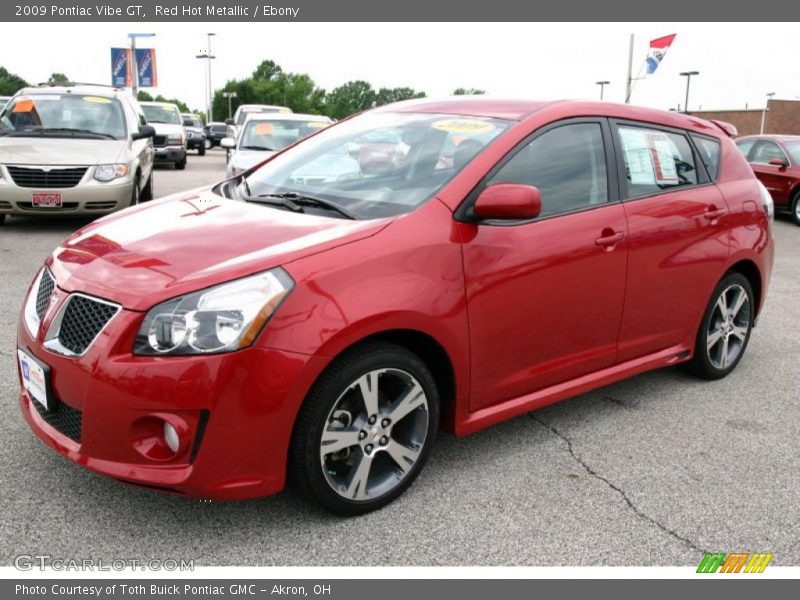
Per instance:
x=738, y=63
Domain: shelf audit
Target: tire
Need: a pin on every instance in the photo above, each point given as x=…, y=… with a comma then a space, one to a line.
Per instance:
x=135, y=193
x=201, y=150
x=181, y=164
x=2, y=220
x=795, y=208
x=725, y=329
x=379, y=457
x=147, y=191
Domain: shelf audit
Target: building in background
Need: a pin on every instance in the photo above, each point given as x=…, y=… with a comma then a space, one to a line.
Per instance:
x=782, y=116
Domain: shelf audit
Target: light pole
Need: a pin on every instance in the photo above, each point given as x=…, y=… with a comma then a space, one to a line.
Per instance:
x=229, y=96
x=688, y=75
x=206, y=54
x=764, y=112
x=135, y=67
x=602, y=85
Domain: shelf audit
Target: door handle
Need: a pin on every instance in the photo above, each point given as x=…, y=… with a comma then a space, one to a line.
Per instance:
x=610, y=240
x=713, y=213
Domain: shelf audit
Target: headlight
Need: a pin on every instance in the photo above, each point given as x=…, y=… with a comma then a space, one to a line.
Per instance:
x=30, y=316
x=110, y=172
x=174, y=139
x=224, y=318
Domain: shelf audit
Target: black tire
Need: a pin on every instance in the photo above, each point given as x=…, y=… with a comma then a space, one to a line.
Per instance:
x=305, y=463
x=702, y=365
x=201, y=151
x=147, y=191
x=135, y=193
x=181, y=164
x=795, y=208
x=2, y=220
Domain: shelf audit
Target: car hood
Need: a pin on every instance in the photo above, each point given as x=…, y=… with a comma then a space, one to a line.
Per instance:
x=150, y=253
x=60, y=151
x=167, y=128
x=244, y=159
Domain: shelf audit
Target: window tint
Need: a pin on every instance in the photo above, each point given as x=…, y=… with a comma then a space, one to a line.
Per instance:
x=568, y=166
x=745, y=146
x=656, y=161
x=710, y=151
x=766, y=151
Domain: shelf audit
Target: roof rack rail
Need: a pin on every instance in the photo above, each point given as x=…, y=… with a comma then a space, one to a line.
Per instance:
x=75, y=83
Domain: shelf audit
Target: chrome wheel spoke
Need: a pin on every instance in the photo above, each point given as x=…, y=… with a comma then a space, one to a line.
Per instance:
x=368, y=385
x=713, y=338
x=738, y=302
x=357, y=485
x=336, y=440
x=723, y=358
x=739, y=332
x=404, y=456
x=722, y=304
x=410, y=401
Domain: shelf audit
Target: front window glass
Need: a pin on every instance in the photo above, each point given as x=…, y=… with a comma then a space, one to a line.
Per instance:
x=378, y=164
x=275, y=135
x=58, y=115
x=766, y=151
x=794, y=151
x=161, y=114
x=745, y=146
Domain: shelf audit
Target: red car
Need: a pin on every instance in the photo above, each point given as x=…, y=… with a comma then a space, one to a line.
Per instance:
x=775, y=159
x=214, y=342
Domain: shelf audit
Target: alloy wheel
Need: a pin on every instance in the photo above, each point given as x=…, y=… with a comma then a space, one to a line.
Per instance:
x=374, y=434
x=728, y=326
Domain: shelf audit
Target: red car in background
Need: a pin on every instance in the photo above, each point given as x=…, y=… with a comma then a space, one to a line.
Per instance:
x=775, y=159
x=519, y=253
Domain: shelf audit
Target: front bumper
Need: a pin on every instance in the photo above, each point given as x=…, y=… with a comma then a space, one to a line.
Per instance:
x=86, y=198
x=171, y=154
x=195, y=143
x=239, y=410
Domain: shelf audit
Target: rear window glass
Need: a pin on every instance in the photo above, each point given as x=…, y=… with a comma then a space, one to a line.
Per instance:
x=656, y=161
x=710, y=151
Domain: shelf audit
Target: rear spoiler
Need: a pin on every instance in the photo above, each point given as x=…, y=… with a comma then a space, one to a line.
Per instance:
x=728, y=128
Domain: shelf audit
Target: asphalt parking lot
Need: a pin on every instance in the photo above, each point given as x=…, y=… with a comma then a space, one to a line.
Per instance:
x=652, y=471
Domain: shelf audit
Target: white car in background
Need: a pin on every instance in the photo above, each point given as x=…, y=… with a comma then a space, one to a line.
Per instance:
x=170, y=139
x=263, y=135
x=245, y=111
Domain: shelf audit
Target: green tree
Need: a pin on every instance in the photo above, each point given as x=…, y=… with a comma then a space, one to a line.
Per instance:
x=59, y=78
x=349, y=98
x=9, y=83
x=143, y=96
x=389, y=95
x=267, y=70
x=468, y=92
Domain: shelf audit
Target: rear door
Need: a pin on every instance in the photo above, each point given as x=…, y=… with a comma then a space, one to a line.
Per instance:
x=545, y=295
x=678, y=236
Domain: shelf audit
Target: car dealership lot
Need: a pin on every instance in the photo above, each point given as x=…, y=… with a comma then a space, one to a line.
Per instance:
x=654, y=470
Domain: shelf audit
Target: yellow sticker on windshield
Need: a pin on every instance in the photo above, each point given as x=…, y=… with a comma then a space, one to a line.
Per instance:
x=97, y=99
x=465, y=126
x=316, y=125
x=285, y=111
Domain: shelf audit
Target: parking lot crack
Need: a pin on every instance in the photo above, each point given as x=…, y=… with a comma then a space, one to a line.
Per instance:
x=593, y=473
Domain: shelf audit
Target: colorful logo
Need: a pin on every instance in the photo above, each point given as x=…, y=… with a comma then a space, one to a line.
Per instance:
x=737, y=562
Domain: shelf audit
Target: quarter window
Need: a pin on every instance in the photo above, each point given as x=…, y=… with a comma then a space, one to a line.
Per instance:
x=710, y=151
x=568, y=166
x=656, y=161
x=766, y=151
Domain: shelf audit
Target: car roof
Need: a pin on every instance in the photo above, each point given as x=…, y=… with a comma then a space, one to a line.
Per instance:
x=246, y=106
x=86, y=89
x=781, y=137
x=517, y=110
x=175, y=106
x=287, y=117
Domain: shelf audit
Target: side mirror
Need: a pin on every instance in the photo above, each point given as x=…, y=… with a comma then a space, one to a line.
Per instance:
x=512, y=201
x=145, y=131
x=229, y=121
x=778, y=162
x=228, y=142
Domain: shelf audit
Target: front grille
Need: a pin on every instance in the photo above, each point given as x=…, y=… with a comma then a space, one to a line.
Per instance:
x=100, y=205
x=82, y=321
x=159, y=141
x=46, y=287
x=40, y=178
x=64, y=206
x=63, y=418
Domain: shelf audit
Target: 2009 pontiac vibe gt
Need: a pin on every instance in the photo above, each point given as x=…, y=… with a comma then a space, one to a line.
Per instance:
x=450, y=263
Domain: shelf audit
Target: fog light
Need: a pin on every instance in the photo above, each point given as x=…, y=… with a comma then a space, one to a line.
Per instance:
x=171, y=437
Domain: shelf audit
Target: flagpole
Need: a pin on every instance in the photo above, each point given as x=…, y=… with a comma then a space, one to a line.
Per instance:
x=630, y=73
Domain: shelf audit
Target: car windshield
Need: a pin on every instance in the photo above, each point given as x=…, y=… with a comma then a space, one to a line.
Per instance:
x=271, y=135
x=161, y=114
x=191, y=122
x=246, y=112
x=60, y=115
x=378, y=164
x=794, y=151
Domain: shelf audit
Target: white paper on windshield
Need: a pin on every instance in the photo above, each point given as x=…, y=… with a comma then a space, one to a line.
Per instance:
x=663, y=159
x=638, y=156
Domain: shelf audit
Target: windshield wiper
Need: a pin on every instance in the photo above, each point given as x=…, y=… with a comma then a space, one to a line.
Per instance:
x=305, y=200
x=45, y=130
x=262, y=148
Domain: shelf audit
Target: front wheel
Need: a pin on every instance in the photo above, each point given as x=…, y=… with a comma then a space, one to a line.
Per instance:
x=366, y=429
x=147, y=191
x=725, y=329
x=181, y=164
x=796, y=208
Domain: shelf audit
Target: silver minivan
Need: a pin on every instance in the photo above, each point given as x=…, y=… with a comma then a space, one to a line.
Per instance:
x=71, y=149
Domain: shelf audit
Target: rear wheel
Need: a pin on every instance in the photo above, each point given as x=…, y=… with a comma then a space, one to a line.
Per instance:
x=725, y=330
x=796, y=208
x=201, y=151
x=366, y=429
x=2, y=219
